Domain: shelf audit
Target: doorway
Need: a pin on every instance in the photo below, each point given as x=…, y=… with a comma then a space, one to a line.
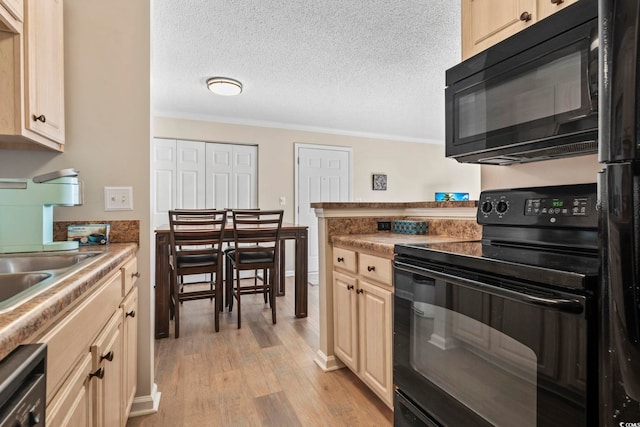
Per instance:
x=323, y=174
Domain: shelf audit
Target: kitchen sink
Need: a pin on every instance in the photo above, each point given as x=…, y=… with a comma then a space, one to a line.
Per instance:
x=23, y=276
x=39, y=262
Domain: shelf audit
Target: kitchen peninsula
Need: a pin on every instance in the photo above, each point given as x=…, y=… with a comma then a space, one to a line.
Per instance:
x=355, y=278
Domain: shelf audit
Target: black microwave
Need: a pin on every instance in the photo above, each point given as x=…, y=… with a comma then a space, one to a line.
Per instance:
x=531, y=97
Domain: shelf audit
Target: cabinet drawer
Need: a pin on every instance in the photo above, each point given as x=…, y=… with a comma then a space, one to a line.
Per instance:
x=375, y=268
x=345, y=259
x=72, y=336
x=129, y=276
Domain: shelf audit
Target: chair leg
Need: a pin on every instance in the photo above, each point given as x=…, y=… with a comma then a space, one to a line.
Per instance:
x=229, y=284
x=237, y=294
x=176, y=309
x=265, y=287
x=218, y=300
x=272, y=295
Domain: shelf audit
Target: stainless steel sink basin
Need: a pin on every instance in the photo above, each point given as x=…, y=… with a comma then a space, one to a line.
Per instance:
x=23, y=276
x=39, y=262
x=13, y=284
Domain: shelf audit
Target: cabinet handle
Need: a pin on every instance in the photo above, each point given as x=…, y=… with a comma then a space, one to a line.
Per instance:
x=131, y=313
x=557, y=2
x=99, y=373
x=349, y=287
x=371, y=268
x=525, y=16
x=136, y=274
x=108, y=356
x=40, y=118
x=360, y=291
x=340, y=259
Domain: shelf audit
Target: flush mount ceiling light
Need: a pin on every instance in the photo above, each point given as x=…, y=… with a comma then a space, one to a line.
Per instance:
x=224, y=86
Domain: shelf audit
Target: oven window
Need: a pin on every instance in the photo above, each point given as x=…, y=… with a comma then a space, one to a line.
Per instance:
x=548, y=90
x=482, y=367
x=489, y=354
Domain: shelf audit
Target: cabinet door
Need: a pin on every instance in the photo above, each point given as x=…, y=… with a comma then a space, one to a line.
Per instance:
x=376, y=368
x=130, y=340
x=106, y=353
x=15, y=7
x=44, y=83
x=345, y=320
x=487, y=22
x=549, y=7
x=72, y=405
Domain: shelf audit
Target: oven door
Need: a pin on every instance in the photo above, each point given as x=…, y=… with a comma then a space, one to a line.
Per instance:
x=476, y=350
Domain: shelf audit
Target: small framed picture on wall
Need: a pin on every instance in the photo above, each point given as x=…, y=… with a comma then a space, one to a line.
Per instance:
x=379, y=181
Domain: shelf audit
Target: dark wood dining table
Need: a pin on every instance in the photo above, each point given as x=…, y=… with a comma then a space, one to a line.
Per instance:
x=298, y=233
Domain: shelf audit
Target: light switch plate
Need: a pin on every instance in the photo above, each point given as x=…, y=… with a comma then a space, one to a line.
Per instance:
x=118, y=198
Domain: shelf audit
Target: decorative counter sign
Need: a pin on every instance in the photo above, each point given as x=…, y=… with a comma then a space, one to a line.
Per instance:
x=451, y=197
x=379, y=182
x=89, y=234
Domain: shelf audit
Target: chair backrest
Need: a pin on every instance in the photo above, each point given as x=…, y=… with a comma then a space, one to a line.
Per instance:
x=196, y=231
x=256, y=230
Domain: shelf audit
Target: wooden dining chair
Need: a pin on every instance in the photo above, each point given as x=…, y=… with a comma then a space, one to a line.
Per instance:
x=196, y=237
x=256, y=236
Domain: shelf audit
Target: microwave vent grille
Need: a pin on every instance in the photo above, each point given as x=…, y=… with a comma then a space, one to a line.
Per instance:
x=575, y=149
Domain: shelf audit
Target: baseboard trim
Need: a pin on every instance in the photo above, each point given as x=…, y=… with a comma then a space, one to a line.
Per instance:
x=146, y=405
x=328, y=363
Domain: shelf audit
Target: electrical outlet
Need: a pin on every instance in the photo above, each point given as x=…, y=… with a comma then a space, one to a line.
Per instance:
x=118, y=198
x=283, y=201
x=384, y=225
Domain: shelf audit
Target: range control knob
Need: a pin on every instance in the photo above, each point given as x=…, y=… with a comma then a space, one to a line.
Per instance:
x=502, y=206
x=486, y=207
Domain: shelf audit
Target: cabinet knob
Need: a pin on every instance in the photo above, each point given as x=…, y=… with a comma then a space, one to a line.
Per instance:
x=99, y=373
x=136, y=274
x=131, y=313
x=40, y=118
x=360, y=291
x=371, y=268
x=525, y=17
x=340, y=259
x=557, y=2
x=349, y=287
x=108, y=356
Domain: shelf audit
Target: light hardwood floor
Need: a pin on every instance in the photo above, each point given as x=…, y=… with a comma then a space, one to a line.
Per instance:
x=259, y=375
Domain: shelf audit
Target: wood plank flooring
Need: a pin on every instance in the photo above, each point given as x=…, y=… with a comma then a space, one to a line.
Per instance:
x=259, y=375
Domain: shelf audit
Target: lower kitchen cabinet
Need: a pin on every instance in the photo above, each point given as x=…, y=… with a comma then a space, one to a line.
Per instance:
x=92, y=355
x=362, y=319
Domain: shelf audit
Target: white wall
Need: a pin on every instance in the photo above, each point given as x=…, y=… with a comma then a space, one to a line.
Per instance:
x=574, y=170
x=107, y=101
x=414, y=171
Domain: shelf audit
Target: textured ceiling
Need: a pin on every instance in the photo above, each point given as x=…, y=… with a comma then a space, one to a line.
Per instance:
x=369, y=67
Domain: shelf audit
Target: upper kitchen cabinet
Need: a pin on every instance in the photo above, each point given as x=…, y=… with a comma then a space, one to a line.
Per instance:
x=549, y=7
x=31, y=57
x=487, y=22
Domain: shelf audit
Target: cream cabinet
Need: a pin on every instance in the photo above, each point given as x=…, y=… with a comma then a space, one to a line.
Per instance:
x=32, y=60
x=92, y=355
x=362, y=317
x=487, y=22
x=14, y=7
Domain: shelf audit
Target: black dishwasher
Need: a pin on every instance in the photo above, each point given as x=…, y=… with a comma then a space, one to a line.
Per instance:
x=23, y=386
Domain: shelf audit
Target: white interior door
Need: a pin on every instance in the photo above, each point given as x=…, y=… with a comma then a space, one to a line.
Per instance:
x=245, y=176
x=324, y=175
x=219, y=169
x=164, y=180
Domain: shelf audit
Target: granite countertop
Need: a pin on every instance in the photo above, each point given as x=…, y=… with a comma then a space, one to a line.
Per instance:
x=383, y=242
x=19, y=324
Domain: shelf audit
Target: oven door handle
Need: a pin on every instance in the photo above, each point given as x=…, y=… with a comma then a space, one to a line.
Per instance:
x=558, y=304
